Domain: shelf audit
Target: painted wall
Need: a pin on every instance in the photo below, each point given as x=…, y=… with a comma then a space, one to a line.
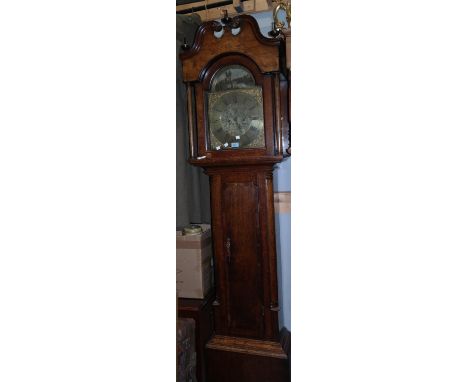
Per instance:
x=282, y=183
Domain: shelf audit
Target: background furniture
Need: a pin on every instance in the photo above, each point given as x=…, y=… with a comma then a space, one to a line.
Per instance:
x=202, y=313
x=186, y=355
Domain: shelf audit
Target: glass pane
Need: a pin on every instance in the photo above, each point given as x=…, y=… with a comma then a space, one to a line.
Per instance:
x=235, y=110
x=232, y=77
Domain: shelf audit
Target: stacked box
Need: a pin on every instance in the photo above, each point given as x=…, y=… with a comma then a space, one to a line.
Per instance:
x=194, y=264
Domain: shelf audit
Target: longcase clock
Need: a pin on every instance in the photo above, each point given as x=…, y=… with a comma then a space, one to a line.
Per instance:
x=237, y=105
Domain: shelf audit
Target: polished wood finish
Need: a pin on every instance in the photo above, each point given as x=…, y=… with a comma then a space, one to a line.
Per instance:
x=245, y=251
x=249, y=42
x=242, y=269
x=249, y=360
x=262, y=57
x=231, y=366
x=202, y=312
x=247, y=345
x=285, y=340
x=269, y=115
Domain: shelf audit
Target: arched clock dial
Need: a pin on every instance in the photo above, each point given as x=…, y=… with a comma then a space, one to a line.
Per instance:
x=235, y=119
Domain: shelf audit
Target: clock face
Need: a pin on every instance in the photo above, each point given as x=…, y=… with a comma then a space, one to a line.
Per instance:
x=236, y=119
x=235, y=110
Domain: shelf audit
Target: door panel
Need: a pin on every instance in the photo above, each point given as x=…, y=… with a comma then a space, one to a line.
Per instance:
x=242, y=254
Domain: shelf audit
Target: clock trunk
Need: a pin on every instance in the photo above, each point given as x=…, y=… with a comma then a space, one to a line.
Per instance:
x=246, y=302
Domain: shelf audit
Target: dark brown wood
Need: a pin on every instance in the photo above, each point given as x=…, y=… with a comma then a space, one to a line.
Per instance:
x=247, y=345
x=262, y=57
x=231, y=359
x=285, y=340
x=270, y=254
x=202, y=312
x=243, y=214
x=270, y=98
x=241, y=258
x=249, y=41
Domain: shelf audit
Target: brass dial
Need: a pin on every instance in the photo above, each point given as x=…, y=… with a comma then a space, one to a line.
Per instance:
x=236, y=119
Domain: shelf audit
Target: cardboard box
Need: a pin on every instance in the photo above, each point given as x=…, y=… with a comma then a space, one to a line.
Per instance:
x=194, y=264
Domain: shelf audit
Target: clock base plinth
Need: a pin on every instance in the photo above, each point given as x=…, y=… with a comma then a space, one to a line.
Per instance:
x=235, y=359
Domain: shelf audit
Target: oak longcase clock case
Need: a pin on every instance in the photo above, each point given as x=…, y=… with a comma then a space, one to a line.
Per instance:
x=237, y=108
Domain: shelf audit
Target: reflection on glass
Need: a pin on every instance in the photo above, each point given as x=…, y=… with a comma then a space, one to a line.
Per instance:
x=235, y=110
x=232, y=77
